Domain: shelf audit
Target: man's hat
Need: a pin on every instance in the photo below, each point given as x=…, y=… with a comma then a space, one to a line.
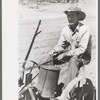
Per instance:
x=78, y=10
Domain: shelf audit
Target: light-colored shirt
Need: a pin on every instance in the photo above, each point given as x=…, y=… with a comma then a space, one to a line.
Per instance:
x=77, y=42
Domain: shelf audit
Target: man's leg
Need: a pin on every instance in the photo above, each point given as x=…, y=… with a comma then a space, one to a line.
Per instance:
x=72, y=70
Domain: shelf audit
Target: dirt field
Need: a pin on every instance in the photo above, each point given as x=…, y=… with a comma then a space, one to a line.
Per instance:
x=53, y=20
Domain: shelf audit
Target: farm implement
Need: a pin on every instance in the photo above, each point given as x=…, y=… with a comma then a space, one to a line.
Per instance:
x=47, y=87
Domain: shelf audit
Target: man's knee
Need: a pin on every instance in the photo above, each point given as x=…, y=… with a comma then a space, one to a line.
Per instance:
x=73, y=59
x=73, y=62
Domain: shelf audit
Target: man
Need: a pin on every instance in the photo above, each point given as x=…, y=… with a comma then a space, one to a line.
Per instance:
x=74, y=45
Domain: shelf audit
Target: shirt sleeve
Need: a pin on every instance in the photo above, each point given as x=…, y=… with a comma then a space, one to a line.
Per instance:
x=82, y=44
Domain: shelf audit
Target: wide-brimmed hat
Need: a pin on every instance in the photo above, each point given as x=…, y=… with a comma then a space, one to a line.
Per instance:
x=78, y=10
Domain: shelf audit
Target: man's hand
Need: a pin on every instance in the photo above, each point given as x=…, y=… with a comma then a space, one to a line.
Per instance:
x=62, y=56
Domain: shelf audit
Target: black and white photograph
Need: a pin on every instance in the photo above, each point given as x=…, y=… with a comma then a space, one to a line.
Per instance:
x=57, y=50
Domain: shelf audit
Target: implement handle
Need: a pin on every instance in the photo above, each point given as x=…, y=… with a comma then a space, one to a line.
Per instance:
x=37, y=66
x=36, y=33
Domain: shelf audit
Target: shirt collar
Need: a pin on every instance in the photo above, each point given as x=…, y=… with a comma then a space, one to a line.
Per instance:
x=77, y=29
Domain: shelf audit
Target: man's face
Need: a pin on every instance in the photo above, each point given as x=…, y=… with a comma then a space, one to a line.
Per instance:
x=72, y=18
